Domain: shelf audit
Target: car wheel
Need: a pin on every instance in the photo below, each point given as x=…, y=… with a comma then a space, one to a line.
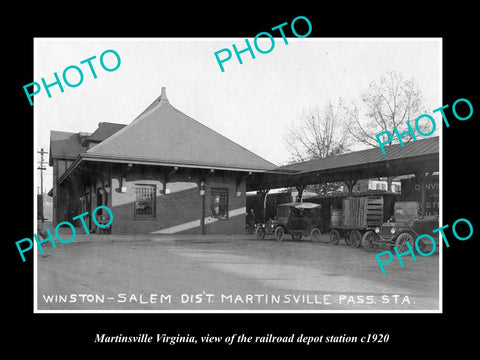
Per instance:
x=334, y=237
x=355, y=238
x=401, y=242
x=369, y=240
x=279, y=232
x=422, y=246
x=260, y=233
x=315, y=234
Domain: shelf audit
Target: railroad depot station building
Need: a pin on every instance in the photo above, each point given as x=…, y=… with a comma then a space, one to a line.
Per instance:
x=163, y=173
x=166, y=173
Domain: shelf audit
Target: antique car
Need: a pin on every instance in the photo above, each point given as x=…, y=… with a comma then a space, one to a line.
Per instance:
x=405, y=225
x=296, y=219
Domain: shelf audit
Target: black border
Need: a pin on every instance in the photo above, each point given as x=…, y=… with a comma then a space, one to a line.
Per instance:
x=409, y=333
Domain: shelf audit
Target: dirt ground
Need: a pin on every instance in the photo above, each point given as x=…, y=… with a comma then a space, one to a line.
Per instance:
x=207, y=273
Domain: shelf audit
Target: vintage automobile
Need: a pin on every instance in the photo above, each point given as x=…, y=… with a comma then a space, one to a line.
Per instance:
x=296, y=219
x=405, y=225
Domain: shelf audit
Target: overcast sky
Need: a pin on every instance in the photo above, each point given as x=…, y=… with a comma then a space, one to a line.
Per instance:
x=251, y=104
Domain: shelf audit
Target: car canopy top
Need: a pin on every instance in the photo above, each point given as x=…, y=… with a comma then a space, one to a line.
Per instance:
x=303, y=205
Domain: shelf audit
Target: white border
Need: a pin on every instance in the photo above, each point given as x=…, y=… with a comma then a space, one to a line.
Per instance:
x=35, y=282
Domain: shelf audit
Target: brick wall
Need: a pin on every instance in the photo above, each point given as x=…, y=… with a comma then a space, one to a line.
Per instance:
x=178, y=206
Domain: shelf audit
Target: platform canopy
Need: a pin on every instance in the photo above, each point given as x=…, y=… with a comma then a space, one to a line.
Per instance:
x=418, y=157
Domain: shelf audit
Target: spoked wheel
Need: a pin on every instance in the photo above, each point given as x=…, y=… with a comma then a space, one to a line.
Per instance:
x=260, y=233
x=279, y=233
x=334, y=237
x=369, y=240
x=401, y=242
x=355, y=238
x=316, y=234
x=422, y=246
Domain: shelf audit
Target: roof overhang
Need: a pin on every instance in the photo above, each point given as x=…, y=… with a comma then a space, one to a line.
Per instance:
x=412, y=165
x=87, y=157
x=262, y=178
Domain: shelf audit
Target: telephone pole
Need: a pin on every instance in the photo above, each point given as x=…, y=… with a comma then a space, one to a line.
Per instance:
x=41, y=168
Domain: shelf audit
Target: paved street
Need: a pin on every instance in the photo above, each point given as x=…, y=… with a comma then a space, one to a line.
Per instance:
x=228, y=273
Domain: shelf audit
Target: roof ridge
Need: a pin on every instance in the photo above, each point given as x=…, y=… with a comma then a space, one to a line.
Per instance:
x=133, y=123
x=109, y=122
x=153, y=105
x=65, y=132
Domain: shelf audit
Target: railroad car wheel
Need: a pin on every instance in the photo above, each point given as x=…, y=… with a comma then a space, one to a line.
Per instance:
x=369, y=240
x=279, y=233
x=355, y=238
x=334, y=237
x=260, y=233
x=316, y=234
x=401, y=242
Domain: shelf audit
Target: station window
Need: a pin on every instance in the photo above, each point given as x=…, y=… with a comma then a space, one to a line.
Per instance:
x=219, y=203
x=144, y=205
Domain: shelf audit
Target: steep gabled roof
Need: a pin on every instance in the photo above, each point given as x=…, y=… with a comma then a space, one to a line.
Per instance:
x=161, y=134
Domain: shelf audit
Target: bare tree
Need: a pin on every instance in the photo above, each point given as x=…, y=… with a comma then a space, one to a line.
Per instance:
x=388, y=103
x=319, y=133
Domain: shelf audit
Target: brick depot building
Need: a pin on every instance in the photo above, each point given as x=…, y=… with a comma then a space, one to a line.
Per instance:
x=163, y=173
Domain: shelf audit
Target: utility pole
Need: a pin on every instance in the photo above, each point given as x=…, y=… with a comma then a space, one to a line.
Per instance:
x=41, y=168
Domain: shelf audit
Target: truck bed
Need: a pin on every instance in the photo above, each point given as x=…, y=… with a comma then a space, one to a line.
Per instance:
x=362, y=212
